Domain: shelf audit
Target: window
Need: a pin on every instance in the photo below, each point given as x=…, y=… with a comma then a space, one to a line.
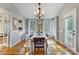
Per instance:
x=47, y=27
x=32, y=26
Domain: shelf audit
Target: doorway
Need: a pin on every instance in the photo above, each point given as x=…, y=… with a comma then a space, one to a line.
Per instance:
x=4, y=29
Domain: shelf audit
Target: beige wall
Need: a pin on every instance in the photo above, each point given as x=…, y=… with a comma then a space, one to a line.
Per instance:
x=61, y=32
x=2, y=22
x=1, y=28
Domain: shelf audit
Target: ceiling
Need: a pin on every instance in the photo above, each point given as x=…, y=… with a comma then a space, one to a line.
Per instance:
x=27, y=9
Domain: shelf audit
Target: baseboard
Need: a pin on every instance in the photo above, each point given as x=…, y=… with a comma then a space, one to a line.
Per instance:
x=15, y=44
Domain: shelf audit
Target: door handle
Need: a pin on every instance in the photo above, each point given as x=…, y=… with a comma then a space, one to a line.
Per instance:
x=73, y=34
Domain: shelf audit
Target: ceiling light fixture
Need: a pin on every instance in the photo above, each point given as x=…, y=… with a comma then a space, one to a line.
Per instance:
x=39, y=12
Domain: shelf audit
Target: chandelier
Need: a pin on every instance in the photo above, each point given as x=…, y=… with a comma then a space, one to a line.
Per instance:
x=39, y=12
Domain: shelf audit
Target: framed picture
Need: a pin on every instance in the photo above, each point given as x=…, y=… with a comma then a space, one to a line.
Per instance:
x=19, y=28
x=15, y=23
x=20, y=21
x=20, y=25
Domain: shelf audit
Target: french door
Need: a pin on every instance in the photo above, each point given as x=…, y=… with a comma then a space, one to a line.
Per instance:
x=4, y=29
x=70, y=30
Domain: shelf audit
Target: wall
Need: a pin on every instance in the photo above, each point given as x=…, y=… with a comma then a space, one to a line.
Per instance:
x=15, y=37
x=67, y=8
x=64, y=10
x=77, y=44
x=26, y=26
x=1, y=24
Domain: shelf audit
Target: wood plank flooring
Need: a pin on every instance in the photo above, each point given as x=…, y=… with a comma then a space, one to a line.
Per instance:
x=65, y=48
x=19, y=49
x=16, y=50
x=39, y=51
x=1, y=40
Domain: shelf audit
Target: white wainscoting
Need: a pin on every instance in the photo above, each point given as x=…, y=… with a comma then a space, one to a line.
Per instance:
x=15, y=37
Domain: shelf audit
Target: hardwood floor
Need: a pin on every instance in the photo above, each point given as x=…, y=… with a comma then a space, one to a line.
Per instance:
x=19, y=49
x=1, y=40
x=16, y=50
x=56, y=48
x=65, y=48
x=39, y=51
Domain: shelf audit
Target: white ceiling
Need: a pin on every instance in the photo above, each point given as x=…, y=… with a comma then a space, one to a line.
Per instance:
x=28, y=9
